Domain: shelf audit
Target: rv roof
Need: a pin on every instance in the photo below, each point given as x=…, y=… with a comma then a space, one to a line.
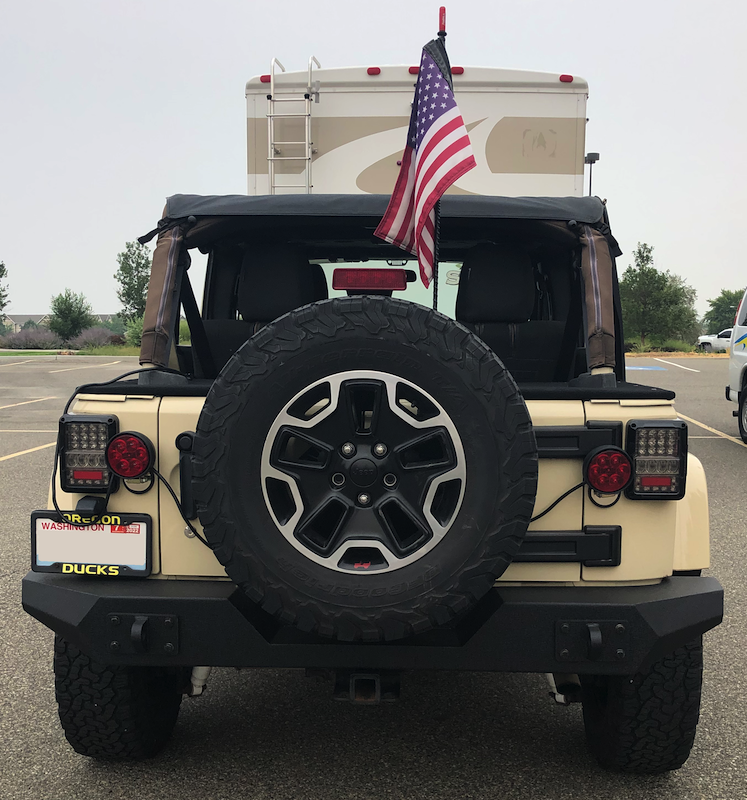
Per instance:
x=399, y=77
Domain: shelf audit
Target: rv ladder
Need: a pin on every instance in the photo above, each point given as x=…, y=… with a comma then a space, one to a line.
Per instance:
x=274, y=152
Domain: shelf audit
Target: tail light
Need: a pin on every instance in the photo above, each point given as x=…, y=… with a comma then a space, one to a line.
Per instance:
x=369, y=279
x=658, y=449
x=130, y=455
x=608, y=470
x=83, y=440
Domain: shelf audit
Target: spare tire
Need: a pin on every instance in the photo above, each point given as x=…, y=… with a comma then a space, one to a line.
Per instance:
x=364, y=468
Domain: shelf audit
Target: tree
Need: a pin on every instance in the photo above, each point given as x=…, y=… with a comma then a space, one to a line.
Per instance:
x=116, y=324
x=655, y=304
x=71, y=315
x=3, y=287
x=133, y=276
x=722, y=309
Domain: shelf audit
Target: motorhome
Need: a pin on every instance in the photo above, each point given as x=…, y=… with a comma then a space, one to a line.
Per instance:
x=343, y=130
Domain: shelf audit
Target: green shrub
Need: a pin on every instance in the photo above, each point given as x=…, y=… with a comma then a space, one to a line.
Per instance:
x=674, y=346
x=134, y=332
x=185, y=337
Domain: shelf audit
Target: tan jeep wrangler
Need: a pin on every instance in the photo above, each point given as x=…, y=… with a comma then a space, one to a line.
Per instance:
x=335, y=476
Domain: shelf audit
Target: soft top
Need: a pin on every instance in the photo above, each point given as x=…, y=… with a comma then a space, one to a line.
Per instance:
x=587, y=210
x=200, y=221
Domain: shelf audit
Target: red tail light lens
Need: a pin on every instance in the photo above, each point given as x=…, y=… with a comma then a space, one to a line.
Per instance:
x=369, y=279
x=609, y=470
x=130, y=455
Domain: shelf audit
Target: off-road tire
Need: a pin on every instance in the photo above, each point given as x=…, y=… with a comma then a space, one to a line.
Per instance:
x=408, y=341
x=742, y=414
x=115, y=712
x=645, y=723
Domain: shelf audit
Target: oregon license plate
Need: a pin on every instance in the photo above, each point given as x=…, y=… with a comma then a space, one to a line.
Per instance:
x=117, y=545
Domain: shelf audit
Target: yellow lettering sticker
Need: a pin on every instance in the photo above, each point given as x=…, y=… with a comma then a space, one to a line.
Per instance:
x=91, y=569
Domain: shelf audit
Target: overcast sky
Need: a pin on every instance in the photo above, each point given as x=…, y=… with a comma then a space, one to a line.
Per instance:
x=107, y=108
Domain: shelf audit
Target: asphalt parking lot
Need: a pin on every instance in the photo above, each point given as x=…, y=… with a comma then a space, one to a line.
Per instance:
x=277, y=734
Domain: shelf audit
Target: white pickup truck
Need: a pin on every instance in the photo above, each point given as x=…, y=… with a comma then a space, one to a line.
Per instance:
x=715, y=342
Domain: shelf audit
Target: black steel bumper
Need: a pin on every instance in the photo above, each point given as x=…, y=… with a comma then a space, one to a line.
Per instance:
x=605, y=630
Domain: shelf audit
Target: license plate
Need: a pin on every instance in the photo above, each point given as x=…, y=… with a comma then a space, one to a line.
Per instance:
x=119, y=545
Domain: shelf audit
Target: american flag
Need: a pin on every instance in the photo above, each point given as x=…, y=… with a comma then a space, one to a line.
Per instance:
x=437, y=154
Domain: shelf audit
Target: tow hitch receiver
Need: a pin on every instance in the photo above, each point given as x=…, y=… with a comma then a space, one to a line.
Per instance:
x=138, y=633
x=592, y=640
x=366, y=688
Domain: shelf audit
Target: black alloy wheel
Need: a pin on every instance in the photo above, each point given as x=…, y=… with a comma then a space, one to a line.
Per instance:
x=363, y=471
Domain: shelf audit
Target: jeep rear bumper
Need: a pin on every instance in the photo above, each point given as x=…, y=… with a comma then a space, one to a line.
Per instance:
x=605, y=630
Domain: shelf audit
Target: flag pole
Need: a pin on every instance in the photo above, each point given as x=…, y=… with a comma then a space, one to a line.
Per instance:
x=437, y=220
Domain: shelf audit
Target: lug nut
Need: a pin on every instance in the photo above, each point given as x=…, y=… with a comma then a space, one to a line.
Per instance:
x=338, y=479
x=390, y=481
x=348, y=449
x=379, y=449
x=364, y=499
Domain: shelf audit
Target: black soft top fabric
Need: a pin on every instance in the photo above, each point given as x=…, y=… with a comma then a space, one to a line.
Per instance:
x=588, y=210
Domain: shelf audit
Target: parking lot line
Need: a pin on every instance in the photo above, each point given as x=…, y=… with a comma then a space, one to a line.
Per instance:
x=26, y=402
x=713, y=430
x=88, y=366
x=689, y=369
x=27, y=430
x=16, y=363
x=30, y=450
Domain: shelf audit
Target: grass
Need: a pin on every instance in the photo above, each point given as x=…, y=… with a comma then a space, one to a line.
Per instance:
x=669, y=346
x=110, y=350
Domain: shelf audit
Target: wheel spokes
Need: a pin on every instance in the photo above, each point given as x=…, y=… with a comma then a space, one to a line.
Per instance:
x=363, y=471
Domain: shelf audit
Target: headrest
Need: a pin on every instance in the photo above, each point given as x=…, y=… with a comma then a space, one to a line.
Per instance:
x=273, y=281
x=496, y=285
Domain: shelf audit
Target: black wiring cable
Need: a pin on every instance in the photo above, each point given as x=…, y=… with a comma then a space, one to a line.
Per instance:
x=552, y=505
x=84, y=386
x=603, y=505
x=140, y=491
x=181, y=510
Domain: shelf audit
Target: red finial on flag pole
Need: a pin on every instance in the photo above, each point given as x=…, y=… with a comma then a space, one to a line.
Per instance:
x=442, y=21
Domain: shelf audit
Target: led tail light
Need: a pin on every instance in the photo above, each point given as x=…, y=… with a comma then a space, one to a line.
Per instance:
x=83, y=439
x=608, y=470
x=365, y=279
x=130, y=455
x=659, y=452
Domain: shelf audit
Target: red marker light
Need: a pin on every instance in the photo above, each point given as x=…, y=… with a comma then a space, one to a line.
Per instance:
x=414, y=70
x=566, y=78
x=130, y=455
x=374, y=70
x=457, y=70
x=264, y=78
x=609, y=471
x=369, y=279
x=655, y=480
x=88, y=475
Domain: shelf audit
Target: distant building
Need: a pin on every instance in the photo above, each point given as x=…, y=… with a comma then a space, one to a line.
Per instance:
x=16, y=321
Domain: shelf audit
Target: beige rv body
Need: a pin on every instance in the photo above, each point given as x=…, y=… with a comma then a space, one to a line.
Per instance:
x=527, y=130
x=659, y=537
